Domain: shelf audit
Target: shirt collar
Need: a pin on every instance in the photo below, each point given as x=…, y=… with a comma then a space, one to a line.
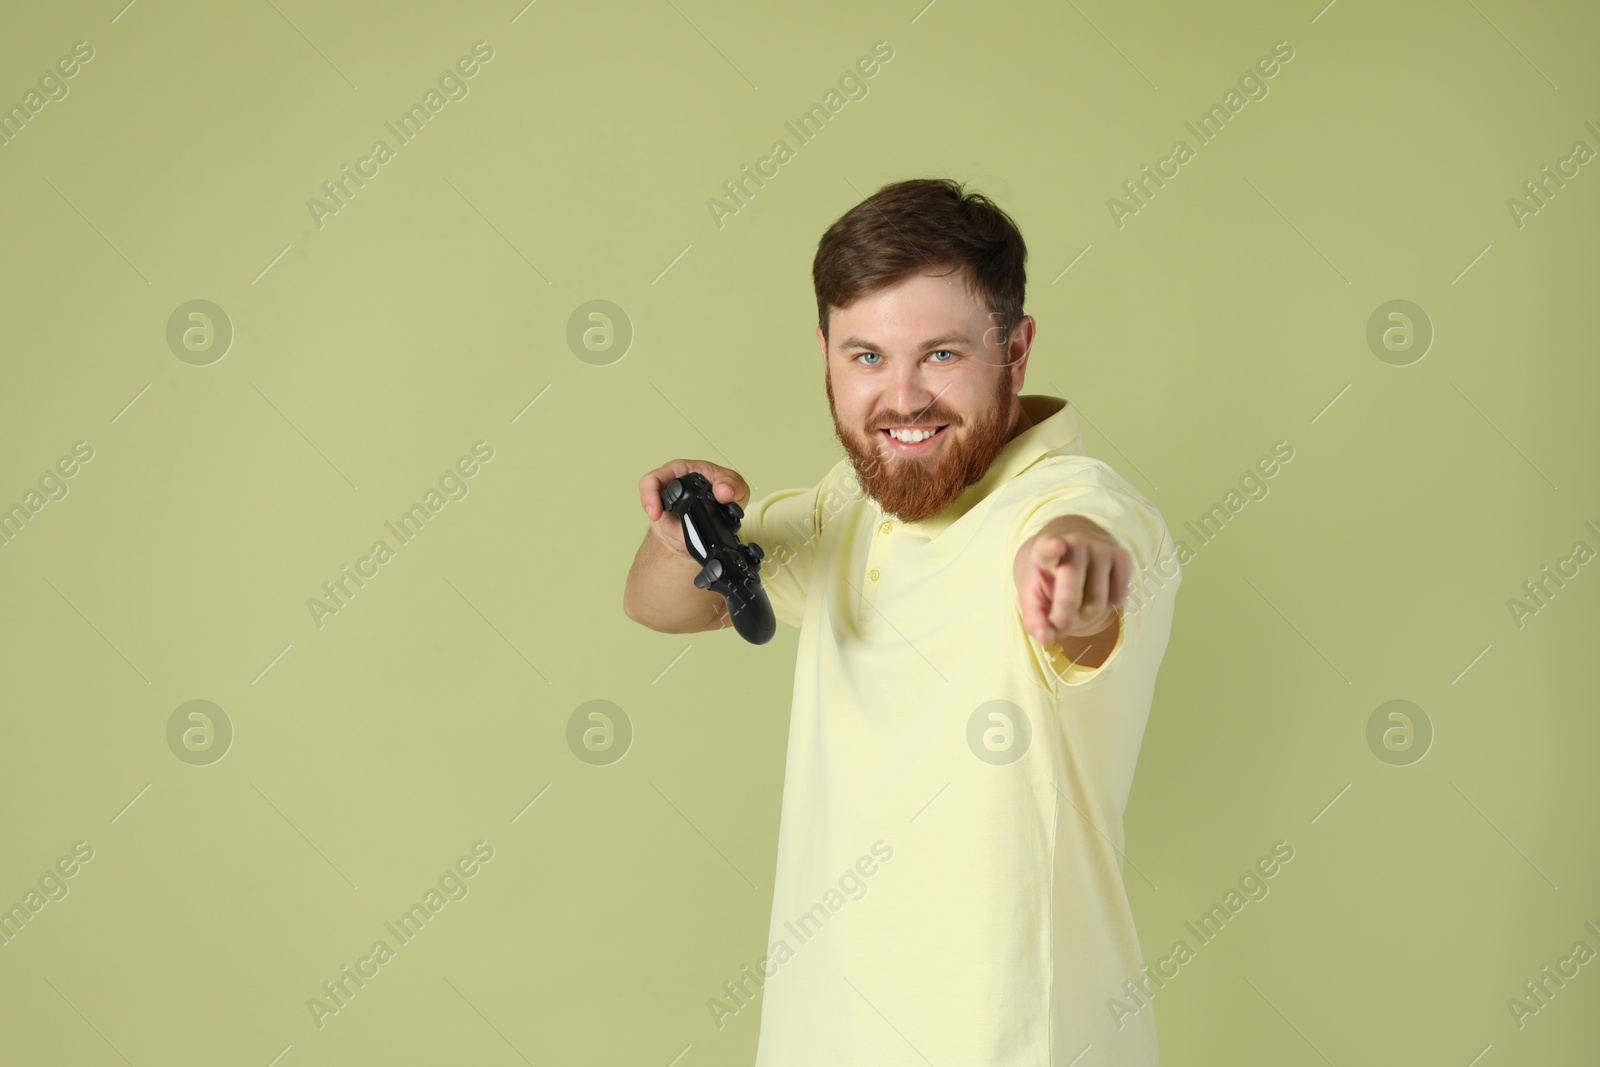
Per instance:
x=1054, y=430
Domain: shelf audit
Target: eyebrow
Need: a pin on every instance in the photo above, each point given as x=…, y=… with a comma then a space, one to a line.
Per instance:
x=950, y=338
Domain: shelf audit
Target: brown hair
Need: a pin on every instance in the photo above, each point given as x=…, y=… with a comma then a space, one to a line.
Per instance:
x=918, y=223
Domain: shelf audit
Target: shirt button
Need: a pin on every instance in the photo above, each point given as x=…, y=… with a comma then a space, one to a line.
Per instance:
x=885, y=527
x=873, y=574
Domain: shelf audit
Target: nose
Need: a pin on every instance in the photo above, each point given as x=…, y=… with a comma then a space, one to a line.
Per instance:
x=909, y=392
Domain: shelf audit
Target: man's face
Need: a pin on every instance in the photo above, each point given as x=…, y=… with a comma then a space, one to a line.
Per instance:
x=923, y=354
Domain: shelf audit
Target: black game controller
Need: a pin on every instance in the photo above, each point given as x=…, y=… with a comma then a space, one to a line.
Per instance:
x=727, y=567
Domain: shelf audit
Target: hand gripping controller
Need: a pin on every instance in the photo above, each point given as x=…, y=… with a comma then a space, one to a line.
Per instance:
x=727, y=567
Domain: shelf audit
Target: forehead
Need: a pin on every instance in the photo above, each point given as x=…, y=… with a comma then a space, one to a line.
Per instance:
x=910, y=311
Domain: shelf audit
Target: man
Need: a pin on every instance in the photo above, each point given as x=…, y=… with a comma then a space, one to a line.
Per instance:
x=972, y=682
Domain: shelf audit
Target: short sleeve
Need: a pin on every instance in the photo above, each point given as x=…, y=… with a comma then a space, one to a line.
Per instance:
x=786, y=524
x=1082, y=485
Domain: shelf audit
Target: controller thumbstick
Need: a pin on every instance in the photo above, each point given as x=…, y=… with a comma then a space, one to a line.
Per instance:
x=711, y=572
x=735, y=512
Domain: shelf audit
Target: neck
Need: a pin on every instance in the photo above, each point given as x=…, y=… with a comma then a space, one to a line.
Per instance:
x=1020, y=420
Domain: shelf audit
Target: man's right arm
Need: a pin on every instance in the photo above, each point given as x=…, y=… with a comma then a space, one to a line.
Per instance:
x=661, y=593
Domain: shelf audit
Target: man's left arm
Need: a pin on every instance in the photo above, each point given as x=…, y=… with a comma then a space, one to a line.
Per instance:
x=1072, y=582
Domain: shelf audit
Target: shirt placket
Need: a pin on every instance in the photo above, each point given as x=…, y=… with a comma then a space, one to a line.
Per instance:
x=877, y=557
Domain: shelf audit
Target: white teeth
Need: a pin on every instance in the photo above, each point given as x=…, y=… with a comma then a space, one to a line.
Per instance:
x=911, y=437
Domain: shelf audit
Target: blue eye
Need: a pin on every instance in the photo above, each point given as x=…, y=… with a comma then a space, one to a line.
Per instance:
x=875, y=355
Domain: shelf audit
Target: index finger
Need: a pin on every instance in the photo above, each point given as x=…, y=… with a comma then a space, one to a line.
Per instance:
x=1034, y=599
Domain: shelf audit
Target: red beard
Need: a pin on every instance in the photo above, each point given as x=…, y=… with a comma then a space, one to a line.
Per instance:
x=915, y=488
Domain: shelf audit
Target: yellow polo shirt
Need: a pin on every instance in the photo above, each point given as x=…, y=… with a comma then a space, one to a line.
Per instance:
x=949, y=873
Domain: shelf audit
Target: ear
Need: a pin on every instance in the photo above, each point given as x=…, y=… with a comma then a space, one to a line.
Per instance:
x=822, y=344
x=1021, y=346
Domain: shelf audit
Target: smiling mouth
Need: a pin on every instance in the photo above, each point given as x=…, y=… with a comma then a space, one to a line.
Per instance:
x=937, y=431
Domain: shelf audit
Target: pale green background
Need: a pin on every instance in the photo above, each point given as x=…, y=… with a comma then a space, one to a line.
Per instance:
x=430, y=312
